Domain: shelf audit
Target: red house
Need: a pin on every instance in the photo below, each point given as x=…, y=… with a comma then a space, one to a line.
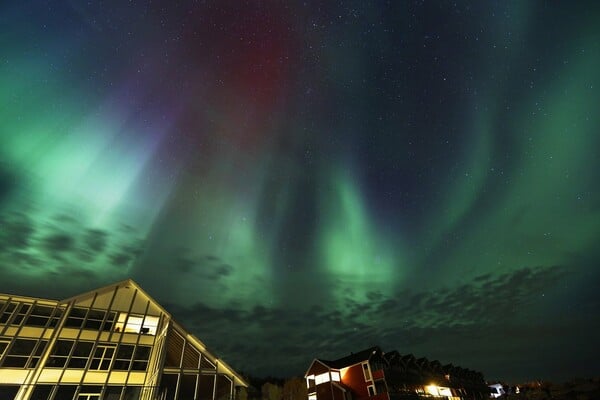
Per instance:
x=358, y=376
x=372, y=374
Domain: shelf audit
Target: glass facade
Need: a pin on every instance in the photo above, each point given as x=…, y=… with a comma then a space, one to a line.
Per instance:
x=113, y=343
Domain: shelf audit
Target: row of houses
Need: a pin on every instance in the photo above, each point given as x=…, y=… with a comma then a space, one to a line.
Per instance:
x=117, y=343
x=375, y=375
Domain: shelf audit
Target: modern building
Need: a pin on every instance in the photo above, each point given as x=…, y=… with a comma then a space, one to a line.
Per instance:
x=372, y=374
x=112, y=343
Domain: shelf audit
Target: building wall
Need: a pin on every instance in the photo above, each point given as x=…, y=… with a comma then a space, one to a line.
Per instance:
x=354, y=377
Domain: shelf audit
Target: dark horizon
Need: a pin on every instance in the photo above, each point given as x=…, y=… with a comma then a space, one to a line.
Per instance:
x=300, y=180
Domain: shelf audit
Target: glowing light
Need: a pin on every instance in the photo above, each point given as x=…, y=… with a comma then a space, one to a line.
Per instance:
x=322, y=378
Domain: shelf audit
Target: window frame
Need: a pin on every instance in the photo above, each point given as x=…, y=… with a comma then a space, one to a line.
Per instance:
x=103, y=358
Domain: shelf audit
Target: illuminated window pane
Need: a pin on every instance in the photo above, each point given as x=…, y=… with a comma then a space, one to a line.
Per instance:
x=322, y=378
x=136, y=324
x=150, y=325
x=335, y=376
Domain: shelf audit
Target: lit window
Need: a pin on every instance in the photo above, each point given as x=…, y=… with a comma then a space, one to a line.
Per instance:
x=312, y=396
x=432, y=390
x=136, y=324
x=322, y=378
x=335, y=376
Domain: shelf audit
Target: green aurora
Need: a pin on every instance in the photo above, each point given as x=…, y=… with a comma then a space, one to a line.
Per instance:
x=419, y=176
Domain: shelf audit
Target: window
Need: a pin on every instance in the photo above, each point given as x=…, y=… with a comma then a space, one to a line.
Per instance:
x=76, y=317
x=18, y=318
x=168, y=386
x=65, y=392
x=103, y=356
x=312, y=396
x=371, y=389
x=3, y=346
x=60, y=353
x=322, y=378
x=40, y=316
x=335, y=376
x=8, y=310
x=8, y=391
x=136, y=324
x=310, y=381
x=113, y=392
x=37, y=354
x=94, y=320
x=89, y=393
x=205, y=363
x=141, y=357
x=366, y=371
x=124, y=356
x=81, y=354
x=41, y=392
x=191, y=356
x=19, y=353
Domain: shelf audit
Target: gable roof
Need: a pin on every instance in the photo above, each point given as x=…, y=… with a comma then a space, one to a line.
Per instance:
x=353, y=358
x=130, y=283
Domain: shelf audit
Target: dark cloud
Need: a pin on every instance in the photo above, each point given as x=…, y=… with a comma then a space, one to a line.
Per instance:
x=207, y=267
x=17, y=231
x=411, y=322
x=58, y=243
x=127, y=254
x=96, y=240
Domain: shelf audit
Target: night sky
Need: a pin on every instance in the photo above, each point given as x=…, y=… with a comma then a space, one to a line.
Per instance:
x=305, y=179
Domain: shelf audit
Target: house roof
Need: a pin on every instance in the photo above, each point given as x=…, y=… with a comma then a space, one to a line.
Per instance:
x=353, y=358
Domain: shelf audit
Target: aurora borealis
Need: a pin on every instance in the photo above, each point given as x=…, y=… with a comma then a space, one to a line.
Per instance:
x=305, y=179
